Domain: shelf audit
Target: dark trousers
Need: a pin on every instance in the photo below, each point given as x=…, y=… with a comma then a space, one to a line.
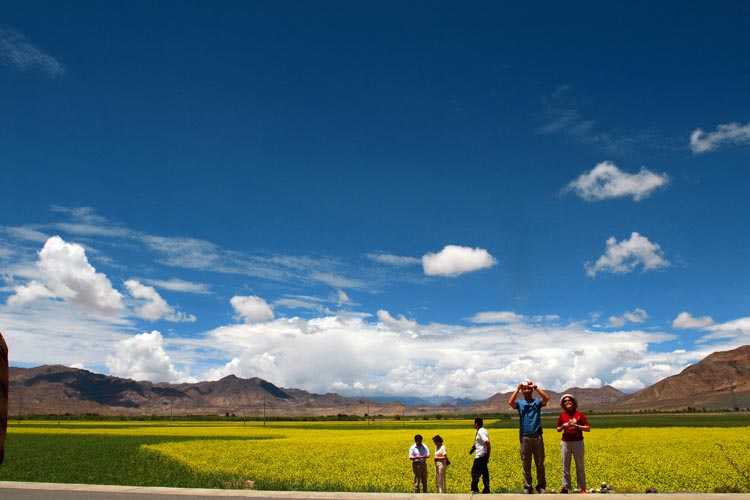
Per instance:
x=420, y=475
x=479, y=468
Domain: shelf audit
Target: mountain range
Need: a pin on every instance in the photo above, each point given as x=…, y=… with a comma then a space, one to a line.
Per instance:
x=719, y=381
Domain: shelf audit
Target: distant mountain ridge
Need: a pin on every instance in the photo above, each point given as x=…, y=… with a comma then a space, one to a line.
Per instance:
x=721, y=380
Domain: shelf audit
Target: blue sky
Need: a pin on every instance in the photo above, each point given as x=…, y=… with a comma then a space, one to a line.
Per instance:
x=422, y=198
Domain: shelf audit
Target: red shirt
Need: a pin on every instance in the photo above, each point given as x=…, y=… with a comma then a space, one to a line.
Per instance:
x=572, y=433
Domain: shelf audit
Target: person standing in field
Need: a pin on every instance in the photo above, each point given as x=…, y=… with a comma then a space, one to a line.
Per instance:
x=4, y=377
x=572, y=423
x=530, y=433
x=441, y=463
x=418, y=454
x=480, y=467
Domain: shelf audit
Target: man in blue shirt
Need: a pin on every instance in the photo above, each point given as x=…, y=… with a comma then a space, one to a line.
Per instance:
x=530, y=422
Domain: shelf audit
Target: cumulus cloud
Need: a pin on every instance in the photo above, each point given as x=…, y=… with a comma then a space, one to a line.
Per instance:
x=154, y=306
x=728, y=133
x=52, y=332
x=496, y=317
x=625, y=256
x=17, y=52
x=252, y=309
x=455, y=260
x=606, y=180
x=65, y=273
x=352, y=353
x=685, y=321
x=355, y=357
x=142, y=357
x=401, y=324
x=24, y=294
x=637, y=315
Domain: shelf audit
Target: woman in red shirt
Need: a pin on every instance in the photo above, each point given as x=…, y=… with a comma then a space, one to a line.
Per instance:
x=572, y=423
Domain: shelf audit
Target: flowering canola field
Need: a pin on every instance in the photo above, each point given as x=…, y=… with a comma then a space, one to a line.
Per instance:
x=352, y=456
x=325, y=459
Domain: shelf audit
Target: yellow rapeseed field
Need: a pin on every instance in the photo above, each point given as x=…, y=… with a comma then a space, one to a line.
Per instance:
x=357, y=456
x=372, y=459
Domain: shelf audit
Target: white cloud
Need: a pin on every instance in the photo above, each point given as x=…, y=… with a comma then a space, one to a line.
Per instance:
x=17, y=52
x=454, y=260
x=336, y=280
x=605, y=181
x=496, y=317
x=189, y=253
x=637, y=315
x=731, y=133
x=685, y=321
x=154, y=306
x=736, y=331
x=355, y=352
x=196, y=254
x=304, y=302
x=142, y=357
x=623, y=257
x=393, y=260
x=342, y=298
x=64, y=271
x=400, y=324
x=24, y=294
x=252, y=309
x=28, y=234
x=178, y=285
x=52, y=332
x=353, y=356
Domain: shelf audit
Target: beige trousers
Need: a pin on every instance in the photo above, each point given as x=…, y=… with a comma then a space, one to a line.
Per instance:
x=440, y=475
